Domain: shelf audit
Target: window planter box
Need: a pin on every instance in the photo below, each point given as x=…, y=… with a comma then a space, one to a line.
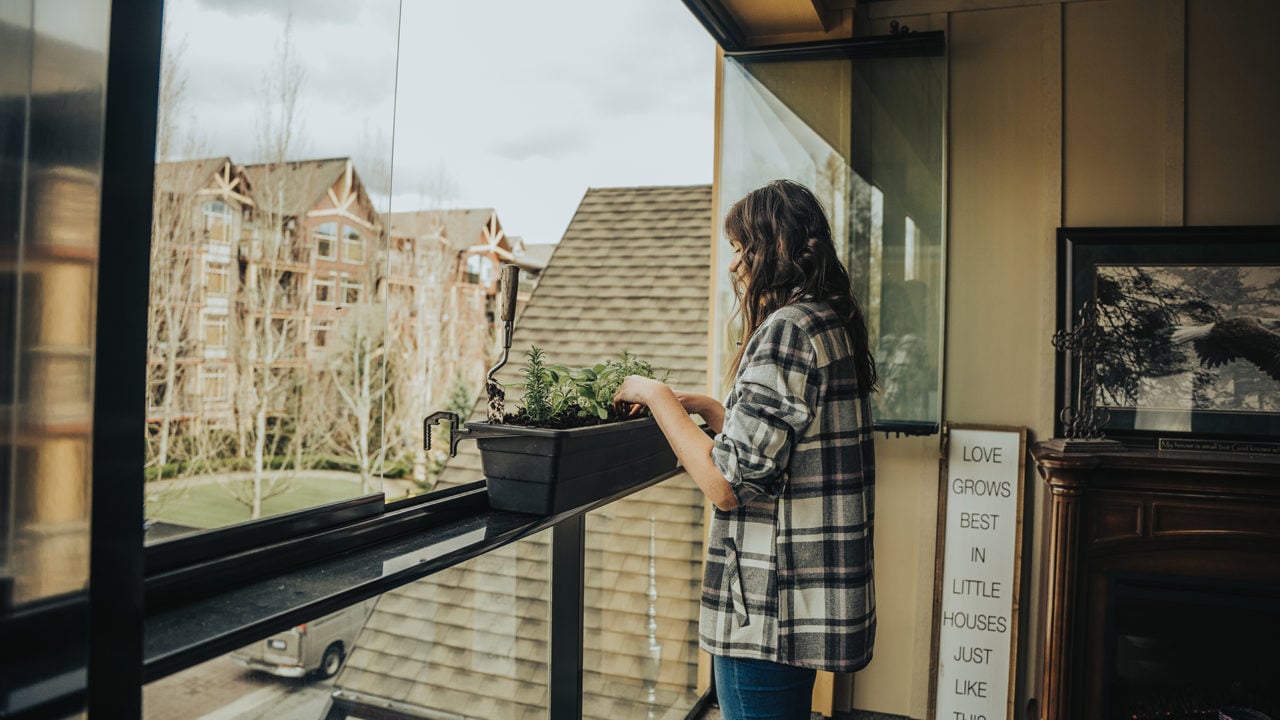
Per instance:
x=544, y=471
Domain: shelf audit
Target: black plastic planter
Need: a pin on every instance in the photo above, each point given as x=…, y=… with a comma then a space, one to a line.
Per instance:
x=543, y=471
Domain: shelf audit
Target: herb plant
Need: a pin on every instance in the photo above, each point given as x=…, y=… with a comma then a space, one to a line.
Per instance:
x=538, y=384
x=555, y=394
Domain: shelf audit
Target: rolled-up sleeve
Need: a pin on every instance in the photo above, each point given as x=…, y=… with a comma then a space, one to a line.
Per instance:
x=770, y=405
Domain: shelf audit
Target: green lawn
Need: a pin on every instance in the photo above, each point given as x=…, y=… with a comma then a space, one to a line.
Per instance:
x=210, y=505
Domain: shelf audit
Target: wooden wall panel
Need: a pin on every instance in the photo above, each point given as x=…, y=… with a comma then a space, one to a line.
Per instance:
x=1114, y=95
x=1233, y=112
x=999, y=253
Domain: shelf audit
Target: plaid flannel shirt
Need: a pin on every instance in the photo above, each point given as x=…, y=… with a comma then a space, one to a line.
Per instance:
x=788, y=575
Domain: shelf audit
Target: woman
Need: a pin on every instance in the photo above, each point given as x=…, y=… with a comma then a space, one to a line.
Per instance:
x=791, y=469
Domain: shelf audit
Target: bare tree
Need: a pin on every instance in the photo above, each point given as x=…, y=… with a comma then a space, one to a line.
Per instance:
x=177, y=248
x=356, y=380
x=270, y=352
x=439, y=342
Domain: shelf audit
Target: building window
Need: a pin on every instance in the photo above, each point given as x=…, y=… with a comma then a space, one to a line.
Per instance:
x=352, y=245
x=217, y=222
x=217, y=277
x=324, y=292
x=326, y=238
x=320, y=334
x=479, y=270
x=215, y=330
x=215, y=383
x=350, y=293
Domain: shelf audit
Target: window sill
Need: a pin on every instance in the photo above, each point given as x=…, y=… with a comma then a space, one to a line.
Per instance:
x=187, y=633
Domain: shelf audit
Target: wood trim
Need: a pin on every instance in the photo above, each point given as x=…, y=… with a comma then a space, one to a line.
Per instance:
x=939, y=551
x=1062, y=590
x=343, y=213
x=900, y=8
x=704, y=659
x=837, y=28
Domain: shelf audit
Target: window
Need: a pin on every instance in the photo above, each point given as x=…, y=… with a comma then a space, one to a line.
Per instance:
x=479, y=270
x=352, y=245
x=326, y=239
x=350, y=293
x=215, y=384
x=218, y=222
x=215, y=330
x=324, y=292
x=873, y=154
x=320, y=334
x=217, y=277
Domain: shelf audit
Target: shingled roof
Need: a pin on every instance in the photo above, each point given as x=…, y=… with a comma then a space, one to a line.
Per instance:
x=185, y=177
x=462, y=227
x=301, y=183
x=632, y=271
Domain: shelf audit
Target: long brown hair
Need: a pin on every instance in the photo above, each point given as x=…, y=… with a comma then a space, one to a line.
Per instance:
x=788, y=256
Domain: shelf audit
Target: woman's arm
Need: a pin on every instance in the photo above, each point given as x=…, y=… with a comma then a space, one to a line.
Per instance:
x=704, y=406
x=690, y=444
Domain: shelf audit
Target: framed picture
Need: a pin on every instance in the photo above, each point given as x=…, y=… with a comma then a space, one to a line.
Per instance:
x=1190, y=330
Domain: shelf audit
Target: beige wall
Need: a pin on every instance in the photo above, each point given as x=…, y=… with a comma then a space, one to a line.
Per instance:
x=1061, y=113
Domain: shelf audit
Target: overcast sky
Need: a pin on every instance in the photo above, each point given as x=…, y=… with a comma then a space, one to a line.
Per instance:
x=511, y=104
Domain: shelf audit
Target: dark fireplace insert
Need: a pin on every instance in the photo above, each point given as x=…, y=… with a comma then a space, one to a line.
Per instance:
x=1184, y=649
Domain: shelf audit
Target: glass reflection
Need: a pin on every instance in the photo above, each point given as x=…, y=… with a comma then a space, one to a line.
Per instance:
x=52, y=84
x=470, y=641
x=644, y=580
x=867, y=136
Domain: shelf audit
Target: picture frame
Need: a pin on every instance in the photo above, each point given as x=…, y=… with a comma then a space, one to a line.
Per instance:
x=1189, y=322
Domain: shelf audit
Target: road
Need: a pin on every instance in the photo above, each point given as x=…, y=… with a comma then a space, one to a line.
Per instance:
x=221, y=690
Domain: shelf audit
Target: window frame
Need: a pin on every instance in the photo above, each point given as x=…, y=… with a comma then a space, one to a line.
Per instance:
x=214, y=321
x=218, y=373
x=214, y=269
x=209, y=215
x=320, y=234
x=320, y=331
x=346, y=286
x=331, y=284
x=348, y=241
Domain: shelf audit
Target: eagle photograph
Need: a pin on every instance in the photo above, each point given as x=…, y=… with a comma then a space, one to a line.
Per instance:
x=1189, y=337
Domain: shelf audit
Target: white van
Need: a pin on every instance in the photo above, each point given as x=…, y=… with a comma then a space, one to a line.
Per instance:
x=318, y=647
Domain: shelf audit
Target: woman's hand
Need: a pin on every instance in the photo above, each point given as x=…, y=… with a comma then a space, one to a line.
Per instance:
x=635, y=391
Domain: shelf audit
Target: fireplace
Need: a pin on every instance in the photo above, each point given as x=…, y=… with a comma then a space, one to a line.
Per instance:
x=1164, y=585
x=1186, y=649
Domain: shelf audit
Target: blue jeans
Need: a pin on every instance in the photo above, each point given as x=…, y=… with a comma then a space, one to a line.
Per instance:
x=762, y=690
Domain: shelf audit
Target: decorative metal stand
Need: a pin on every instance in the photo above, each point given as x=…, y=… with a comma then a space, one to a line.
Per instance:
x=1082, y=422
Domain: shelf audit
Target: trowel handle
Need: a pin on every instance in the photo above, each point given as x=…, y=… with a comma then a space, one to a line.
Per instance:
x=508, y=287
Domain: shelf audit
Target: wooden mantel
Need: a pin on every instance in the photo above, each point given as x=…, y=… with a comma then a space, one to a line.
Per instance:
x=1211, y=516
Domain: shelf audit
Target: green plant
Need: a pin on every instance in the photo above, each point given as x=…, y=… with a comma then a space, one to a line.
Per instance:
x=538, y=383
x=551, y=391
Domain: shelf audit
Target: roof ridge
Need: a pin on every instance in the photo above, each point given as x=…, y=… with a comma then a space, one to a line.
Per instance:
x=649, y=187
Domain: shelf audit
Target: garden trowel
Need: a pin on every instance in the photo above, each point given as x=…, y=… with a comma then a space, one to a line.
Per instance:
x=508, y=286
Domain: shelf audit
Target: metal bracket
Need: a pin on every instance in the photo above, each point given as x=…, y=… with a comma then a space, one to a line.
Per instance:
x=457, y=433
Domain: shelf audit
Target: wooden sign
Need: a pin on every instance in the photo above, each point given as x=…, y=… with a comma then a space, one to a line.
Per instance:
x=975, y=611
